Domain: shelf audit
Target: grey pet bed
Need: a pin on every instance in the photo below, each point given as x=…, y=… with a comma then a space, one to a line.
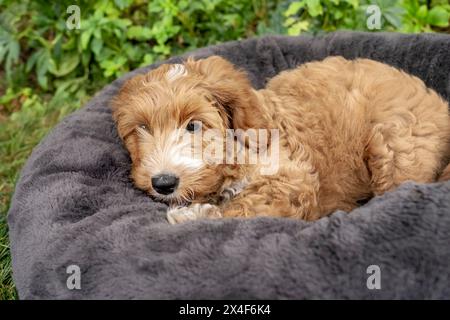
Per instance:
x=75, y=205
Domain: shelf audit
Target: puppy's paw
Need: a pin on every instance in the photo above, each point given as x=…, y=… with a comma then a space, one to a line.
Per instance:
x=193, y=212
x=180, y=214
x=232, y=191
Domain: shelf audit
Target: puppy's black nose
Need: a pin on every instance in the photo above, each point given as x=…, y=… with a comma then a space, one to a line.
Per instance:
x=165, y=183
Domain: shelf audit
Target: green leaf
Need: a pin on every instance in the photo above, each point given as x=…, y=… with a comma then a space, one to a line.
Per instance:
x=85, y=37
x=139, y=33
x=122, y=4
x=32, y=60
x=2, y=52
x=13, y=52
x=86, y=58
x=112, y=66
x=353, y=3
x=393, y=19
x=98, y=33
x=148, y=60
x=438, y=17
x=96, y=45
x=422, y=12
x=298, y=27
x=294, y=7
x=119, y=23
x=42, y=65
x=338, y=14
x=314, y=7
x=68, y=64
x=289, y=21
x=162, y=48
x=70, y=44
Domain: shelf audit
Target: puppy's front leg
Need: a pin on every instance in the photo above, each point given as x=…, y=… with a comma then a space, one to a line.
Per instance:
x=274, y=202
x=193, y=212
x=293, y=192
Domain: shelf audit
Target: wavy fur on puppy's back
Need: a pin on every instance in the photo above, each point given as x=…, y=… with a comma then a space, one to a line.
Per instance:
x=368, y=127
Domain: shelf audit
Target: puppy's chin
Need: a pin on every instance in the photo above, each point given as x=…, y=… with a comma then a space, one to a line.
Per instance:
x=173, y=199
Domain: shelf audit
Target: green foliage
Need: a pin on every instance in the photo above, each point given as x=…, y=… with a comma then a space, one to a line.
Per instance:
x=421, y=18
x=330, y=15
x=315, y=16
x=37, y=49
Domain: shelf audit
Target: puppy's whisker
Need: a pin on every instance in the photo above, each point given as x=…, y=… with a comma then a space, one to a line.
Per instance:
x=191, y=193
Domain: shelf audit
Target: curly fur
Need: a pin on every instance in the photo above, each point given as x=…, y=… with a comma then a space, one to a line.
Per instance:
x=348, y=130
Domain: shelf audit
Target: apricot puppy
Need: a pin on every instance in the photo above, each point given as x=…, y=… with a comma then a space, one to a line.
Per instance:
x=345, y=131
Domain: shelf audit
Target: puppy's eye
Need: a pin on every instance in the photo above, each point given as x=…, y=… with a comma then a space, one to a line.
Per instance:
x=194, y=126
x=145, y=127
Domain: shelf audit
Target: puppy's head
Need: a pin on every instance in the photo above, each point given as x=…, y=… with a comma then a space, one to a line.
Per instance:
x=162, y=115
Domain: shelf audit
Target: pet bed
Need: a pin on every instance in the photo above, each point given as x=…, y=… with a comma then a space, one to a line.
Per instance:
x=74, y=204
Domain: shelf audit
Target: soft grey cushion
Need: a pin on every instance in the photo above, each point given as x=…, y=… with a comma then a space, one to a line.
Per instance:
x=75, y=204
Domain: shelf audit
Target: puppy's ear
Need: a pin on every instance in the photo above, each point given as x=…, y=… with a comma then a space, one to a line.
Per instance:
x=232, y=91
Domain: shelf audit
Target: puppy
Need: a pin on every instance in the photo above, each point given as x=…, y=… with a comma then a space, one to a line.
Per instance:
x=345, y=131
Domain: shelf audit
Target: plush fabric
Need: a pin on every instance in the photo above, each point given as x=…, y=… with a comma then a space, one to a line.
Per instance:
x=74, y=204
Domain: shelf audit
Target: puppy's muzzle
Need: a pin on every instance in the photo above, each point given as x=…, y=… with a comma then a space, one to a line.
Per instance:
x=165, y=183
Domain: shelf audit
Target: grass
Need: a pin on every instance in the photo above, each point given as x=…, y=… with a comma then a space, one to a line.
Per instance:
x=7, y=178
x=7, y=289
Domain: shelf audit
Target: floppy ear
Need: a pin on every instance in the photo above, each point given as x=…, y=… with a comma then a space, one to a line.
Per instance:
x=232, y=91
